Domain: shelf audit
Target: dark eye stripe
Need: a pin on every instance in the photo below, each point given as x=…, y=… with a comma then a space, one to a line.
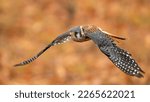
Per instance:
x=78, y=35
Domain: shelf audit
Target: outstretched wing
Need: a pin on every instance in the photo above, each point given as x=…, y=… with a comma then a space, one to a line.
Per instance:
x=121, y=58
x=59, y=40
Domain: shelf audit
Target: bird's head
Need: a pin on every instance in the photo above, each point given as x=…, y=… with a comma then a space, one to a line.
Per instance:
x=77, y=34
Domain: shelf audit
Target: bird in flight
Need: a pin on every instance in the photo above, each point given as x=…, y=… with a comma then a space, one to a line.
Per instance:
x=104, y=41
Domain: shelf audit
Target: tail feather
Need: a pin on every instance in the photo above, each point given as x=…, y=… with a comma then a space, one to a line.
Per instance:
x=114, y=36
x=117, y=37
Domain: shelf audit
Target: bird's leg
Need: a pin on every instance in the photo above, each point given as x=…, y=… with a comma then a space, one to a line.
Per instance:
x=59, y=40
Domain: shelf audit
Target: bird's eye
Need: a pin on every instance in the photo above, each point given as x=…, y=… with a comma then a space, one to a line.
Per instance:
x=78, y=35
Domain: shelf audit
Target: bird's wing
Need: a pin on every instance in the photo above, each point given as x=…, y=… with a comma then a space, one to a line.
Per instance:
x=121, y=58
x=59, y=40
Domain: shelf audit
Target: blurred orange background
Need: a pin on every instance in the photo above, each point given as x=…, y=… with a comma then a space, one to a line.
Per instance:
x=27, y=26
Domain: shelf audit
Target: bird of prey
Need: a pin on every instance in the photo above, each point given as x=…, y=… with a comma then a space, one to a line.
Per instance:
x=104, y=41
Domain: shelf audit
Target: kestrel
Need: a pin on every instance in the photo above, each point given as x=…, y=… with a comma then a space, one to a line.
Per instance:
x=104, y=41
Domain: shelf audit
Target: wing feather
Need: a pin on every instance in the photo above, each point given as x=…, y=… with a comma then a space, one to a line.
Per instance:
x=59, y=40
x=121, y=58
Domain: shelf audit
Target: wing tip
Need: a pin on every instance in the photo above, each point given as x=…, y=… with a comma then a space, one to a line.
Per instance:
x=16, y=65
x=140, y=74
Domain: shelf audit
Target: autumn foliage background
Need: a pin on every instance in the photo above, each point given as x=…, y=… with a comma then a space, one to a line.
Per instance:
x=27, y=26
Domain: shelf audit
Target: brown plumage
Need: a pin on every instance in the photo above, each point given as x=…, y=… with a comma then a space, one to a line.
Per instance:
x=105, y=42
